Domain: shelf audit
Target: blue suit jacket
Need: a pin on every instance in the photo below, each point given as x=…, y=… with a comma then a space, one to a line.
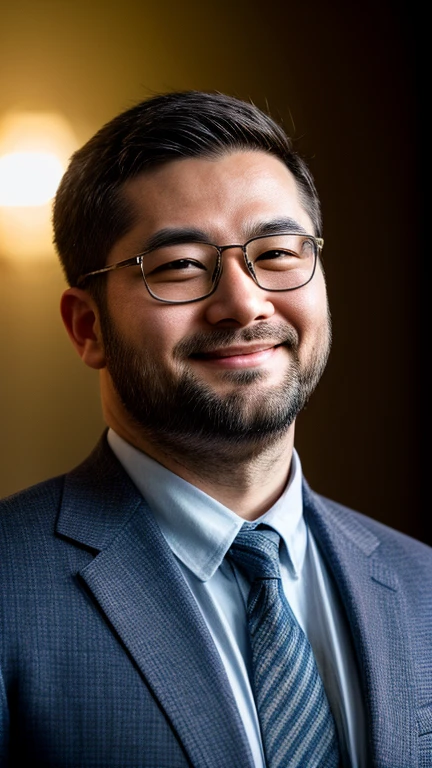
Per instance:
x=106, y=661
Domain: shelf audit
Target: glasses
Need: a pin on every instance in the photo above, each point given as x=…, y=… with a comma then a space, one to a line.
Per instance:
x=182, y=272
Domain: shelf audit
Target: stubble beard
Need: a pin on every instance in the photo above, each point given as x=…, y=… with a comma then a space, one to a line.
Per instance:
x=184, y=416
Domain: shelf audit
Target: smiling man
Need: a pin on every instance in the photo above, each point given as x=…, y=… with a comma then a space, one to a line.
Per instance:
x=183, y=598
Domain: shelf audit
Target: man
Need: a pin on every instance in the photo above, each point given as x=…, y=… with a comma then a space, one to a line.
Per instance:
x=183, y=598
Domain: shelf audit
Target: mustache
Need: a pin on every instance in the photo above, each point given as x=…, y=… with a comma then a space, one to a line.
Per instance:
x=205, y=342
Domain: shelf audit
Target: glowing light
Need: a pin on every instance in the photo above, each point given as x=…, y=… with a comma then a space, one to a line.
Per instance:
x=29, y=178
x=34, y=151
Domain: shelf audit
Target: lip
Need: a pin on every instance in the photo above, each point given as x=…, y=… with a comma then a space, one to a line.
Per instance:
x=249, y=356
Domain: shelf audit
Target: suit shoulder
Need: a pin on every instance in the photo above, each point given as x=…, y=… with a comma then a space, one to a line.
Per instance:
x=394, y=539
x=40, y=498
x=48, y=493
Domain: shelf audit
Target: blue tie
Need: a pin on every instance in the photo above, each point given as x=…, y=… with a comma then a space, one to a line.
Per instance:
x=297, y=726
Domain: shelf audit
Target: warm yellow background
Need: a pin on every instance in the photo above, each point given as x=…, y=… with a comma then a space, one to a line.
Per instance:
x=341, y=76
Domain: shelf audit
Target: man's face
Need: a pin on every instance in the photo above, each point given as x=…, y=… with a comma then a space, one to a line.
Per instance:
x=240, y=364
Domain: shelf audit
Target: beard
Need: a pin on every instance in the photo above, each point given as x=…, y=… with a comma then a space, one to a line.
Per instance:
x=177, y=410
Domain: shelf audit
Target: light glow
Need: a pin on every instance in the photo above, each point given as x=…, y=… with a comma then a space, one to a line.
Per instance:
x=35, y=148
x=29, y=178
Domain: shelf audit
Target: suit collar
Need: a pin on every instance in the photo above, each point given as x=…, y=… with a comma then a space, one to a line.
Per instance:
x=98, y=499
x=377, y=615
x=135, y=580
x=198, y=528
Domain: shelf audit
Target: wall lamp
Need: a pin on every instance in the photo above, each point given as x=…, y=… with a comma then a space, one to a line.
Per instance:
x=34, y=151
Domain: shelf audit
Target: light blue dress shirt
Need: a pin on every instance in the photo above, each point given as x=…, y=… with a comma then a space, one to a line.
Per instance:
x=199, y=531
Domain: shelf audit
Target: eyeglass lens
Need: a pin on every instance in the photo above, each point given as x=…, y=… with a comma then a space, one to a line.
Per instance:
x=186, y=271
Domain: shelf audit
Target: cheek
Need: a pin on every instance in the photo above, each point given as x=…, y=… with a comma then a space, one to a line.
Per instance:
x=153, y=327
x=307, y=308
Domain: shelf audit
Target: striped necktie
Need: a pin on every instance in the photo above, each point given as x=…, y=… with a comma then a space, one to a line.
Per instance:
x=297, y=726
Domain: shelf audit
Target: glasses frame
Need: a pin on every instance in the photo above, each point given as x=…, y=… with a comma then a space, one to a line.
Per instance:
x=139, y=258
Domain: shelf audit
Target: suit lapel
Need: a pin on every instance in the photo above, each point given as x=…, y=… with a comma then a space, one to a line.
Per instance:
x=377, y=617
x=138, y=585
x=136, y=581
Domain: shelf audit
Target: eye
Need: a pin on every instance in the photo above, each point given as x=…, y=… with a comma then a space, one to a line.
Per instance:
x=179, y=261
x=276, y=253
x=277, y=259
x=179, y=265
x=177, y=271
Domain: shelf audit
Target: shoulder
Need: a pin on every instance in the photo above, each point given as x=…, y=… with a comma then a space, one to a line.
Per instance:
x=27, y=537
x=384, y=532
x=32, y=501
x=97, y=494
x=38, y=505
x=355, y=522
x=27, y=534
x=408, y=558
x=101, y=460
x=363, y=518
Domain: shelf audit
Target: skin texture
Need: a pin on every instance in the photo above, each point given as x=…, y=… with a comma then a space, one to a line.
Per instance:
x=209, y=389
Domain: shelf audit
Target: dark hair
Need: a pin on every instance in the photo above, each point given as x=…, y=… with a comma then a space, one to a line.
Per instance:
x=90, y=213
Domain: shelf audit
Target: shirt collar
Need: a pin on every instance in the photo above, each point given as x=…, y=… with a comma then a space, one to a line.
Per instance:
x=200, y=530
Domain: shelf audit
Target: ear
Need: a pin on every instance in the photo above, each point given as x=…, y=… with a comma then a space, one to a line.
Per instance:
x=81, y=319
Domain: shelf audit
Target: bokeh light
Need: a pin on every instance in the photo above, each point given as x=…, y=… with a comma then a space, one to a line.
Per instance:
x=34, y=151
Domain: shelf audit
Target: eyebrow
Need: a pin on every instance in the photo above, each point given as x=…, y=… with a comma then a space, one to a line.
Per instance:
x=273, y=227
x=174, y=236
x=178, y=235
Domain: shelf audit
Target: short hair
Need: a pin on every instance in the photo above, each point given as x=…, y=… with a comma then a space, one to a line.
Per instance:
x=90, y=212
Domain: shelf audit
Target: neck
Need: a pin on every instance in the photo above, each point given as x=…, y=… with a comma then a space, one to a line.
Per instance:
x=248, y=478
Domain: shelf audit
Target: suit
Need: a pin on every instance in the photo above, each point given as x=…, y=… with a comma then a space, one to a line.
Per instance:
x=106, y=660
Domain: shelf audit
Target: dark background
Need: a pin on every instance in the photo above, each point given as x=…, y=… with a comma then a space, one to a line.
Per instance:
x=343, y=78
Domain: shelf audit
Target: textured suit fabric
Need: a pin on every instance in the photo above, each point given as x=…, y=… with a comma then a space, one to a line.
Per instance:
x=105, y=659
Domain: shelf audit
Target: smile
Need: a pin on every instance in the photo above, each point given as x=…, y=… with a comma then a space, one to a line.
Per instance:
x=238, y=357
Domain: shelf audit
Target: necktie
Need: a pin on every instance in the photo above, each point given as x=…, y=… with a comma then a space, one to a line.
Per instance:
x=297, y=726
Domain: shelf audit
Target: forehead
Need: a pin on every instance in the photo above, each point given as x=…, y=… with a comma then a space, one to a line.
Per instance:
x=225, y=197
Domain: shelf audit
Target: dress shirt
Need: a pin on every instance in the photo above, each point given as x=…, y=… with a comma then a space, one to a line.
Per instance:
x=200, y=531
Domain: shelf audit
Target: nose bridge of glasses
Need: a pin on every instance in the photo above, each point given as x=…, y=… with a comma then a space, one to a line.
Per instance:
x=243, y=248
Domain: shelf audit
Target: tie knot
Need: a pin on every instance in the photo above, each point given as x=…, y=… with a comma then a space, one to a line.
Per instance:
x=256, y=551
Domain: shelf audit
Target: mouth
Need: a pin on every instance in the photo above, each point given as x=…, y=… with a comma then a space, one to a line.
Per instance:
x=249, y=349
x=262, y=347
x=247, y=356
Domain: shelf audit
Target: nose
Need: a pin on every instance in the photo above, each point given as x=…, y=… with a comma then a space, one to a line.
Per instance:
x=238, y=300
